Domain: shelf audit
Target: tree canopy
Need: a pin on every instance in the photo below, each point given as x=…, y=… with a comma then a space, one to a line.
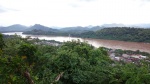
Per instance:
x=73, y=62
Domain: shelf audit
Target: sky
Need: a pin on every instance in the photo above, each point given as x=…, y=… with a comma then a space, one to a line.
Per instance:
x=65, y=13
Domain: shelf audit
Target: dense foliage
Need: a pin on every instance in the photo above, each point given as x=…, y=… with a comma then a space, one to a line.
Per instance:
x=124, y=34
x=22, y=61
x=1, y=42
x=115, y=33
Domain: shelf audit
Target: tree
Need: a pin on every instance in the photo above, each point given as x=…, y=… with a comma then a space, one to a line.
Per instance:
x=27, y=50
x=81, y=63
x=2, y=44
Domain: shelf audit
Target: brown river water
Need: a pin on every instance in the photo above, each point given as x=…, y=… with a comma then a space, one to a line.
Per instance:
x=114, y=44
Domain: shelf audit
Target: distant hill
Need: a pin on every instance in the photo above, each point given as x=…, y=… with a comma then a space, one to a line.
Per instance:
x=21, y=28
x=113, y=25
x=141, y=25
x=95, y=28
x=40, y=27
x=68, y=30
x=80, y=29
x=131, y=25
x=119, y=33
x=13, y=28
x=77, y=29
x=100, y=32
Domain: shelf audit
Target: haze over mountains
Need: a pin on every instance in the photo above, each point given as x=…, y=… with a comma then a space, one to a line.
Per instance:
x=21, y=28
x=16, y=27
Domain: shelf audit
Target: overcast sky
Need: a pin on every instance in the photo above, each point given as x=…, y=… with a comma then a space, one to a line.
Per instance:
x=63, y=13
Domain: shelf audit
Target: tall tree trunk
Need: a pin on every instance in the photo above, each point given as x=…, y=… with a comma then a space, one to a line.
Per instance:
x=28, y=77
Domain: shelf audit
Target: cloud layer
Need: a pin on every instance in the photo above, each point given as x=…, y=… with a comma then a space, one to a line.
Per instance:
x=74, y=12
x=2, y=9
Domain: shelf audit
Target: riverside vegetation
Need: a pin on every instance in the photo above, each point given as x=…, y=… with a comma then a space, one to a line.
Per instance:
x=75, y=62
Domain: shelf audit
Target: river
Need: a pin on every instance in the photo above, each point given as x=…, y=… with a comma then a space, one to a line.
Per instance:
x=124, y=45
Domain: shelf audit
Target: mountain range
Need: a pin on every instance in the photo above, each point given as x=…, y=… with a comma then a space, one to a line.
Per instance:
x=22, y=28
x=13, y=28
x=40, y=27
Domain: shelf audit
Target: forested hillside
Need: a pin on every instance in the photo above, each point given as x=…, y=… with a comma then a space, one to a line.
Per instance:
x=125, y=34
x=24, y=62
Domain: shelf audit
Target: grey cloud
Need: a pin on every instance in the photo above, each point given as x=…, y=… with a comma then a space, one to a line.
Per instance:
x=3, y=9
